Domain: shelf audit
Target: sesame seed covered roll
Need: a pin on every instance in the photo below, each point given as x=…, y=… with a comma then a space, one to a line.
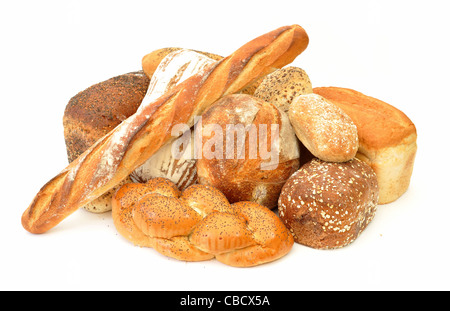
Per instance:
x=327, y=205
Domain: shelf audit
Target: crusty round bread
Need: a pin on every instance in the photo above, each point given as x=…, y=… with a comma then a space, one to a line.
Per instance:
x=242, y=173
x=327, y=205
x=324, y=128
x=387, y=138
x=283, y=85
x=198, y=224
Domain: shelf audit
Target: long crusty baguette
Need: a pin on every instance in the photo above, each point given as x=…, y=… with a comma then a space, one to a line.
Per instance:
x=113, y=157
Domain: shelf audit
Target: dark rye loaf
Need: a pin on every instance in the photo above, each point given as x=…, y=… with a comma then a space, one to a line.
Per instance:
x=97, y=110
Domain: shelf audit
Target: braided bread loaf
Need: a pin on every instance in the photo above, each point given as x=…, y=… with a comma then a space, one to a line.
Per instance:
x=112, y=158
x=198, y=224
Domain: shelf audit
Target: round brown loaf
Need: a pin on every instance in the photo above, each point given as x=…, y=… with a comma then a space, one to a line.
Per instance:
x=241, y=175
x=94, y=112
x=327, y=205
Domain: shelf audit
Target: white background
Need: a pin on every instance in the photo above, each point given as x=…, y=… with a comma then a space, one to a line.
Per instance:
x=394, y=50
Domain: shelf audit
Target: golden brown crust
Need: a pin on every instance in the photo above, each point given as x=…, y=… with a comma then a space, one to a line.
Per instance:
x=245, y=175
x=379, y=124
x=151, y=60
x=199, y=224
x=272, y=239
x=387, y=138
x=112, y=158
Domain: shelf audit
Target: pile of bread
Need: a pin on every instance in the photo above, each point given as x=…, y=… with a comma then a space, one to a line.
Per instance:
x=339, y=154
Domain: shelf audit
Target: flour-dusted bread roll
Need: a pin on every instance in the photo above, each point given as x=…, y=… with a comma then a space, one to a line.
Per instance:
x=248, y=149
x=327, y=205
x=283, y=85
x=323, y=128
x=387, y=138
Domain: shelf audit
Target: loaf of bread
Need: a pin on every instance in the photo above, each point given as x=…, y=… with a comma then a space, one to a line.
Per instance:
x=112, y=158
x=179, y=166
x=249, y=149
x=283, y=85
x=387, y=138
x=198, y=224
x=151, y=61
x=327, y=205
x=325, y=129
x=94, y=112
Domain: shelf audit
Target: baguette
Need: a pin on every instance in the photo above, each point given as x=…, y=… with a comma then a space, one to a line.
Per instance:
x=113, y=157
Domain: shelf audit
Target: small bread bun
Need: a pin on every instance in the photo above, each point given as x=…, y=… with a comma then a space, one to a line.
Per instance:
x=325, y=129
x=327, y=205
x=283, y=85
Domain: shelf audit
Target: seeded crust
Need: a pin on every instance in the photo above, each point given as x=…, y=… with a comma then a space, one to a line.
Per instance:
x=94, y=112
x=327, y=205
x=283, y=85
x=198, y=224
